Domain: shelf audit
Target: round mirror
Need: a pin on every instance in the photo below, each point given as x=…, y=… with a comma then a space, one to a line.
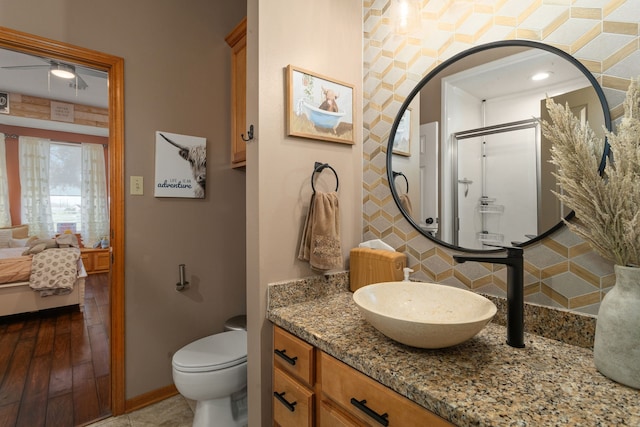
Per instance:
x=466, y=161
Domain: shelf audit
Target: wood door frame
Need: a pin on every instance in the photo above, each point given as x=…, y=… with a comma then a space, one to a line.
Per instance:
x=36, y=45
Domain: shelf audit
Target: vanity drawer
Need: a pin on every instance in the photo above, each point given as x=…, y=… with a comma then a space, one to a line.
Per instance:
x=370, y=401
x=292, y=402
x=332, y=416
x=293, y=355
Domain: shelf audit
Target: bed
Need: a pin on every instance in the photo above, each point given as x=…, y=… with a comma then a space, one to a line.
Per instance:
x=17, y=294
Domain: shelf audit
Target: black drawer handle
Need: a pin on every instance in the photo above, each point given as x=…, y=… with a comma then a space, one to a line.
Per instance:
x=280, y=396
x=289, y=360
x=361, y=404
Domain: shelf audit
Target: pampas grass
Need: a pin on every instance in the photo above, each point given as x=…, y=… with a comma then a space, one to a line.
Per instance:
x=607, y=207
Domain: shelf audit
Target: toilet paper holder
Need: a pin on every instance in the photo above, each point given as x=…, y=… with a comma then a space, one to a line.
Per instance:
x=182, y=284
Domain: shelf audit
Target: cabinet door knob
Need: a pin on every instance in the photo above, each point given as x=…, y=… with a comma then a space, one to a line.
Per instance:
x=361, y=404
x=290, y=405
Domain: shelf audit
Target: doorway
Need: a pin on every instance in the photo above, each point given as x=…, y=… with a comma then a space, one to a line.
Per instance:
x=114, y=66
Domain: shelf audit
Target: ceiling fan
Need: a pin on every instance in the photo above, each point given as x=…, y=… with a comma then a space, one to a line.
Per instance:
x=62, y=70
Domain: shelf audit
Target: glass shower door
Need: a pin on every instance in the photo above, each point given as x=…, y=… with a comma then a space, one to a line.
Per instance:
x=497, y=186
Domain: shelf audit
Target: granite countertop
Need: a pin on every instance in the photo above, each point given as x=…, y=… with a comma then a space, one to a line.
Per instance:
x=483, y=382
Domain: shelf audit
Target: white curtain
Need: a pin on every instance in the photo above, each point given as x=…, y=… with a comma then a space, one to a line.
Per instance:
x=5, y=213
x=34, y=183
x=95, y=202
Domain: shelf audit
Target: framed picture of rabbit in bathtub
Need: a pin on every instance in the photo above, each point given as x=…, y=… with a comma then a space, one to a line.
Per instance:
x=181, y=166
x=319, y=107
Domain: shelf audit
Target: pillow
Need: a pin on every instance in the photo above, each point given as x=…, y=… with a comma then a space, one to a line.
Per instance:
x=67, y=240
x=48, y=243
x=35, y=249
x=18, y=231
x=18, y=243
x=5, y=237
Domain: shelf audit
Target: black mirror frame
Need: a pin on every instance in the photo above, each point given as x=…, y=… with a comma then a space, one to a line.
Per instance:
x=464, y=54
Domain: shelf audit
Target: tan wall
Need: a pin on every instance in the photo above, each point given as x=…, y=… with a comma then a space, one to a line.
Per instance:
x=324, y=37
x=177, y=70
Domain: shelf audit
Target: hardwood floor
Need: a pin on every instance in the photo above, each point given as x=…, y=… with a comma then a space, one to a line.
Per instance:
x=54, y=365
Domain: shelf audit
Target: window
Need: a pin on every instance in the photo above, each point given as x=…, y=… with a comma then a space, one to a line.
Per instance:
x=65, y=186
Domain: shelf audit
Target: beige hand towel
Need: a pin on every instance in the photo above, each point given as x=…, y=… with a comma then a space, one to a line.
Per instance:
x=305, y=241
x=405, y=201
x=320, y=243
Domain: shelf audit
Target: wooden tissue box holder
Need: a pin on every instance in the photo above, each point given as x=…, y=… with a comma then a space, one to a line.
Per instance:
x=369, y=266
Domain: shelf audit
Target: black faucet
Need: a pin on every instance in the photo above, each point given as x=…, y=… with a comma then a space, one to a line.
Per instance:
x=515, y=290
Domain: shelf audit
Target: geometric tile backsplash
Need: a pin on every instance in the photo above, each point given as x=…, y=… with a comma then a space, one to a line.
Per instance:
x=561, y=270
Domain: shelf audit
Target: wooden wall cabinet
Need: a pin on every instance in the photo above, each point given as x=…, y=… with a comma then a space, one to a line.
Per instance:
x=96, y=260
x=237, y=40
x=313, y=388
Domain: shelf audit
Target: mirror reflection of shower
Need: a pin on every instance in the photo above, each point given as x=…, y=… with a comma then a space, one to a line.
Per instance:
x=496, y=181
x=497, y=177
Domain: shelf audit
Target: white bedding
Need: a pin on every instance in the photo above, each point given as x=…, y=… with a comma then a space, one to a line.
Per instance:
x=18, y=297
x=11, y=252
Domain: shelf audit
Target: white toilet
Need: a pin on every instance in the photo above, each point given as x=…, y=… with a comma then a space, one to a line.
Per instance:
x=213, y=372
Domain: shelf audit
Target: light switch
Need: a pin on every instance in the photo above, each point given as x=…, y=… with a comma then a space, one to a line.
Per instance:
x=136, y=186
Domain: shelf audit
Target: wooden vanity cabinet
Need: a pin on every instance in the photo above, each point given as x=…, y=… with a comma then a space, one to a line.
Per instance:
x=237, y=40
x=293, y=404
x=369, y=401
x=329, y=415
x=293, y=380
x=328, y=393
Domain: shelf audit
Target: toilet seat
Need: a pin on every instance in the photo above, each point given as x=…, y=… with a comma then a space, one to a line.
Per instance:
x=212, y=353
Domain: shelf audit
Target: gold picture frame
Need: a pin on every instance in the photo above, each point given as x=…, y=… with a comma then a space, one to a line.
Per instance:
x=319, y=107
x=402, y=138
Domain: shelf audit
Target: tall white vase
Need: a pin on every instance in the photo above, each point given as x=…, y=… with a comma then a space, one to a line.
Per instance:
x=616, y=348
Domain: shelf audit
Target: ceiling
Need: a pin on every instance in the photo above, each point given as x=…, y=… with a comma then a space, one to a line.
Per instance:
x=511, y=75
x=39, y=82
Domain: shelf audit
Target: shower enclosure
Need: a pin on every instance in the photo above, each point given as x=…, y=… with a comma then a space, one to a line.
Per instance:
x=496, y=184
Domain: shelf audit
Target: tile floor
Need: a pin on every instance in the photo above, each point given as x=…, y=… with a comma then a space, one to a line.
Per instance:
x=175, y=411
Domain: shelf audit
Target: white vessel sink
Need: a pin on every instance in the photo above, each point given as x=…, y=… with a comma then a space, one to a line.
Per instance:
x=424, y=315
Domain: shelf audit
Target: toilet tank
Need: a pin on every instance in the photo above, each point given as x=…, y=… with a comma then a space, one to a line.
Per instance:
x=236, y=323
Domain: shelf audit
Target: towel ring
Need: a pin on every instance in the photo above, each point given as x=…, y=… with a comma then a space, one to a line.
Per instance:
x=396, y=174
x=319, y=167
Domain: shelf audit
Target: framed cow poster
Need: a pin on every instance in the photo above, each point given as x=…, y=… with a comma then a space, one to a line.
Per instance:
x=181, y=166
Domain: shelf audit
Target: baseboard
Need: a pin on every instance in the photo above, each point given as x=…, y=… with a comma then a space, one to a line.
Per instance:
x=149, y=398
